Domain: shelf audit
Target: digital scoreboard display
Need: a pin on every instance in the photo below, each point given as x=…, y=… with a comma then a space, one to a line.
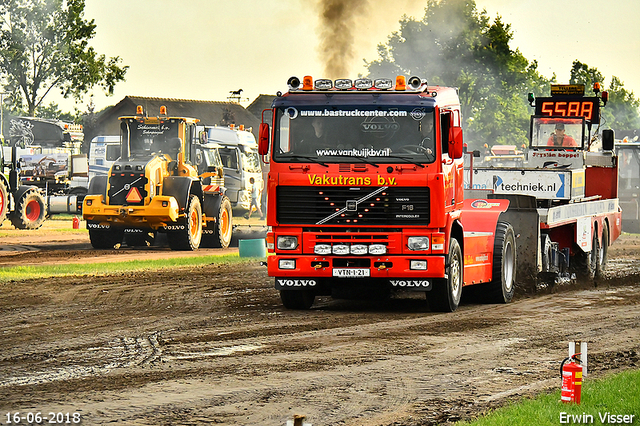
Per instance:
x=568, y=106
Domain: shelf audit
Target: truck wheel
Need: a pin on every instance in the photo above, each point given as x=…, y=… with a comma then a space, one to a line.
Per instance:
x=603, y=252
x=146, y=238
x=30, y=211
x=446, y=293
x=190, y=234
x=4, y=202
x=297, y=299
x=501, y=287
x=105, y=239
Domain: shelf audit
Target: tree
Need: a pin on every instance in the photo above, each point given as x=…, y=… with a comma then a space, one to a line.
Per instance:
x=621, y=112
x=456, y=45
x=45, y=45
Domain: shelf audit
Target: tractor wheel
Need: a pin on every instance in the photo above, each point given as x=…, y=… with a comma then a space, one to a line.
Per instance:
x=30, y=212
x=297, y=299
x=446, y=292
x=501, y=287
x=190, y=233
x=4, y=201
x=104, y=239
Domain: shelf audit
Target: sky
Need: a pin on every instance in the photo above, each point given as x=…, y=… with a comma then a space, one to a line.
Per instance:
x=204, y=49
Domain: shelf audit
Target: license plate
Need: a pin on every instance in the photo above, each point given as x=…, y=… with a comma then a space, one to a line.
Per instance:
x=351, y=272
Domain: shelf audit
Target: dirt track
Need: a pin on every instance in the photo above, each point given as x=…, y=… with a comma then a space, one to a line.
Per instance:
x=213, y=345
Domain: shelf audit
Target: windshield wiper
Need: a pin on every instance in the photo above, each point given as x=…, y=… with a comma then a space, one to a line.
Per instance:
x=364, y=160
x=305, y=157
x=405, y=159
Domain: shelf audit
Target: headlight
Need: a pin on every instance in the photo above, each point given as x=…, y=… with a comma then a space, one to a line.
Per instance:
x=418, y=264
x=418, y=243
x=322, y=249
x=287, y=264
x=287, y=242
x=341, y=249
x=359, y=249
x=377, y=249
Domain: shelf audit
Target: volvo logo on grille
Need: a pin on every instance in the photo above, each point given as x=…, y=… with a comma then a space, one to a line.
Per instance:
x=352, y=205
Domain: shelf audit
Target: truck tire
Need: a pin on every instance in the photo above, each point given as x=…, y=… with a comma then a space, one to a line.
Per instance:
x=221, y=237
x=105, y=239
x=603, y=252
x=446, y=292
x=189, y=235
x=30, y=211
x=297, y=299
x=4, y=201
x=502, y=285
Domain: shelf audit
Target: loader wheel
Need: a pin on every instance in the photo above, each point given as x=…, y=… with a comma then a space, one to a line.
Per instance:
x=603, y=252
x=105, y=239
x=446, y=292
x=220, y=236
x=501, y=287
x=297, y=299
x=146, y=238
x=190, y=233
x=4, y=202
x=30, y=211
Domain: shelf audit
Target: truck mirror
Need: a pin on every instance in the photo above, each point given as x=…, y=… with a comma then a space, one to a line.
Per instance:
x=455, y=142
x=203, y=137
x=608, y=136
x=263, y=139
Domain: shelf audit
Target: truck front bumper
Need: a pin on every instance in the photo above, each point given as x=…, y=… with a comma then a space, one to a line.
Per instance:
x=299, y=272
x=161, y=210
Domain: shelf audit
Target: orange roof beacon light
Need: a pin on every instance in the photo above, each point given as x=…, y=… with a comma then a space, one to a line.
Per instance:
x=241, y=127
x=139, y=110
x=596, y=87
x=401, y=83
x=307, y=83
x=163, y=110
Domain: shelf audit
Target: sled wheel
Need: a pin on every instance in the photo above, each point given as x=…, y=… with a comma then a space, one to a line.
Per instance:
x=30, y=211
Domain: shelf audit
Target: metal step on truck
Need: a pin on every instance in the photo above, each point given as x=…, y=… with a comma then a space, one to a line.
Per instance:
x=366, y=196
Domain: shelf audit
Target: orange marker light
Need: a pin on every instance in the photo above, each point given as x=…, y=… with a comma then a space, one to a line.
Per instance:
x=401, y=83
x=139, y=110
x=163, y=110
x=307, y=83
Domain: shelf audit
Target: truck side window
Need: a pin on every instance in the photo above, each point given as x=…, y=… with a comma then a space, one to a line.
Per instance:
x=444, y=131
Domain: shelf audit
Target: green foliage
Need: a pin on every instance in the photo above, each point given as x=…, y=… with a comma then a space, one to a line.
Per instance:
x=45, y=45
x=456, y=45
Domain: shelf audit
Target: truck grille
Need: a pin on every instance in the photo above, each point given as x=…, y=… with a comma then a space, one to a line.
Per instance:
x=120, y=184
x=349, y=206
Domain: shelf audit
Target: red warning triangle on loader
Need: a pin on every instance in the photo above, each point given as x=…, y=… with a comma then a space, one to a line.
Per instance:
x=133, y=196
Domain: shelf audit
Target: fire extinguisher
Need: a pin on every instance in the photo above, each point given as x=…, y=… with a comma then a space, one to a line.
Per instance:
x=76, y=222
x=571, y=379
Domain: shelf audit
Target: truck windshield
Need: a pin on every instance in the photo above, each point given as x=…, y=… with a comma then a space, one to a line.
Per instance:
x=251, y=161
x=557, y=132
x=343, y=134
x=148, y=138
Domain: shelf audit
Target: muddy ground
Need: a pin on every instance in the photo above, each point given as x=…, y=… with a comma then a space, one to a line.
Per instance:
x=213, y=344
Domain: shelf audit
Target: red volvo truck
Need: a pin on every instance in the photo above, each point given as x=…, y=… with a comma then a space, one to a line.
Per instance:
x=366, y=194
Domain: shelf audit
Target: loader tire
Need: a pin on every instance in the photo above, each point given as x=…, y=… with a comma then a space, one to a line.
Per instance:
x=105, y=239
x=297, y=299
x=446, y=292
x=30, y=211
x=4, y=201
x=502, y=285
x=189, y=235
x=224, y=225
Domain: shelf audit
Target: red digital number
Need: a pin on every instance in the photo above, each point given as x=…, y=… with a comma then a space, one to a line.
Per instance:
x=574, y=109
x=547, y=108
x=587, y=110
x=568, y=109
